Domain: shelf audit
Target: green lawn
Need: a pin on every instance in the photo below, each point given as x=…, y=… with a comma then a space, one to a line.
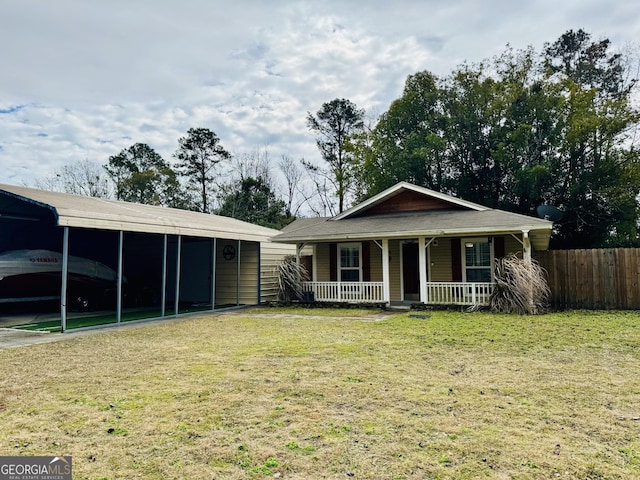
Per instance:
x=93, y=319
x=307, y=394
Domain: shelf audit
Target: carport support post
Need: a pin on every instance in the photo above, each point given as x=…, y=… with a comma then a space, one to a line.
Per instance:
x=178, y=262
x=119, y=299
x=214, y=249
x=238, y=277
x=65, y=270
x=163, y=296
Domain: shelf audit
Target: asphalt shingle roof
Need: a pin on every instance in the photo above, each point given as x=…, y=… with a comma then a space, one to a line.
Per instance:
x=407, y=224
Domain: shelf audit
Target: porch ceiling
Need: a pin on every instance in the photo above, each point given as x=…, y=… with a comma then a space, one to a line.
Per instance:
x=435, y=223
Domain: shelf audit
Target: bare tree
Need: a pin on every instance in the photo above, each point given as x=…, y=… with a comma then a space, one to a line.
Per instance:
x=321, y=203
x=84, y=178
x=295, y=193
x=243, y=166
x=255, y=164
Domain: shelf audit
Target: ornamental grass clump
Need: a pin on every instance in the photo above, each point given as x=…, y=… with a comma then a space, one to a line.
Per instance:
x=521, y=287
x=291, y=277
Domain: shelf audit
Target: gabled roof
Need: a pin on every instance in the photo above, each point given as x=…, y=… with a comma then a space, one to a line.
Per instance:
x=447, y=201
x=99, y=213
x=452, y=218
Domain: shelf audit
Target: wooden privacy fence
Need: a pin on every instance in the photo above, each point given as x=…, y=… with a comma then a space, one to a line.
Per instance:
x=593, y=279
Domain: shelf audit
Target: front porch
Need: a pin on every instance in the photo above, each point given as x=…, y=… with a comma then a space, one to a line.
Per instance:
x=409, y=244
x=437, y=293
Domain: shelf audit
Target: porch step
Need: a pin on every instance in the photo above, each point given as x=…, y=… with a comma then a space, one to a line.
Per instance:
x=399, y=308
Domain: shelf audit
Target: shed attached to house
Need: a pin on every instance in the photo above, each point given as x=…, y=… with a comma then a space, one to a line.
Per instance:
x=410, y=244
x=68, y=261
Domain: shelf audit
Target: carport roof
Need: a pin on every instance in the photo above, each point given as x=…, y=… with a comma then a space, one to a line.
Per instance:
x=98, y=213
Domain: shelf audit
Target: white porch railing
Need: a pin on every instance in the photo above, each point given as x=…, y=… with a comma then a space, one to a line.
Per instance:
x=348, y=292
x=458, y=293
x=438, y=293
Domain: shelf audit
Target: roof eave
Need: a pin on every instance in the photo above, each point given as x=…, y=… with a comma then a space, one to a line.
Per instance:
x=417, y=233
x=37, y=203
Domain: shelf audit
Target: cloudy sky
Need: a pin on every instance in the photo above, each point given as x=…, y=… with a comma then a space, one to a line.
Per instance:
x=83, y=79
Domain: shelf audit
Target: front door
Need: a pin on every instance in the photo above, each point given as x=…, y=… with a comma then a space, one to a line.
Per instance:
x=410, y=272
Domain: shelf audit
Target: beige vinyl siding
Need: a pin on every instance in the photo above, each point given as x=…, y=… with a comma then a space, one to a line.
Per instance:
x=322, y=262
x=440, y=260
x=226, y=274
x=229, y=289
x=511, y=245
x=271, y=254
x=440, y=257
x=249, y=269
x=376, y=262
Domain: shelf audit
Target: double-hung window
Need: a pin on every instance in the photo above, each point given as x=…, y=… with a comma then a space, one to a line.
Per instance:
x=349, y=262
x=477, y=260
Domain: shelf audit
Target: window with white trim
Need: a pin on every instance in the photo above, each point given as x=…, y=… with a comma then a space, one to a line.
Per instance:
x=349, y=262
x=477, y=254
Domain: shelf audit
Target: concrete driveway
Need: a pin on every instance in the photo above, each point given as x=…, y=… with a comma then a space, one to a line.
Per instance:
x=12, y=338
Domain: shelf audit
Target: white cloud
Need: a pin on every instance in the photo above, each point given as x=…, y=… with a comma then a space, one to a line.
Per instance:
x=83, y=80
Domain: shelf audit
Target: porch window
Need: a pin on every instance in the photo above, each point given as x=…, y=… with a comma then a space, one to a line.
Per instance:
x=349, y=262
x=477, y=255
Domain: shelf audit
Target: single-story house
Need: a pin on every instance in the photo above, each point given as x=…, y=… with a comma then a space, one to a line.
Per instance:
x=116, y=261
x=410, y=244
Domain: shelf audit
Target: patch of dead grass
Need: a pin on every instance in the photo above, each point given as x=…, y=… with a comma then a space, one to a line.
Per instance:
x=300, y=393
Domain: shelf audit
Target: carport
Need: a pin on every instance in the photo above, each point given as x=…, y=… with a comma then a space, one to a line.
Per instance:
x=74, y=262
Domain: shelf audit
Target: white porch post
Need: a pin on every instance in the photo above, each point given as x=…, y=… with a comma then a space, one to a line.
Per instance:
x=314, y=264
x=526, y=255
x=299, y=247
x=422, y=263
x=526, y=246
x=386, y=283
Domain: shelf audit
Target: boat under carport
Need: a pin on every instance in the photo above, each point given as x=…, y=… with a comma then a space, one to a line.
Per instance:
x=166, y=261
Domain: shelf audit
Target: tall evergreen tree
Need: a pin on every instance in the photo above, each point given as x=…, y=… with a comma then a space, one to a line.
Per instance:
x=335, y=123
x=252, y=200
x=596, y=171
x=141, y=175
x=521, y=130
x=198, y=154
